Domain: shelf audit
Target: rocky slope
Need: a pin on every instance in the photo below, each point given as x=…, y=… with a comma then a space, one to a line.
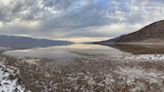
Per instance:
x=153, y=33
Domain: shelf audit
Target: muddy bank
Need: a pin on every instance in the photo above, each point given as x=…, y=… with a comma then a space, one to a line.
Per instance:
x=89, y=72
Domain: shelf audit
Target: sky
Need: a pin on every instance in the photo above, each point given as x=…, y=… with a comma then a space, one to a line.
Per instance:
x=77, y=20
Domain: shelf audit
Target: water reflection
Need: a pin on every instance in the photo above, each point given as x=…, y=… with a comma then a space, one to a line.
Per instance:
x=59, y=53
x=140, y=48
x=66, y=53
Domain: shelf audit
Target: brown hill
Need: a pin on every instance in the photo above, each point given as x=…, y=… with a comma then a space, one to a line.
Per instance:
x=153, y=33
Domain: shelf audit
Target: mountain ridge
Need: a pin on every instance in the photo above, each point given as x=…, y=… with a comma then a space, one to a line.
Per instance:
x=21, y=42
x=153, y=33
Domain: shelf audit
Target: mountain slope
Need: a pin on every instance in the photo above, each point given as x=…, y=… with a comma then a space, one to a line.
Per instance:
x=26, y=42
x=153, y=33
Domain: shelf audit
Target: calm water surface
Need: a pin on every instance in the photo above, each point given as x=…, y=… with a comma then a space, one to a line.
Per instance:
x=66, y=53
x=62, y=52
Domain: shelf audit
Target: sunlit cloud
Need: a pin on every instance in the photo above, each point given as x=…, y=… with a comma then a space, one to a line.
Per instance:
x=57, y=19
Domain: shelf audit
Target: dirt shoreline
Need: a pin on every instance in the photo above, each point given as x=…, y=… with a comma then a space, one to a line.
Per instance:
x=89, y=72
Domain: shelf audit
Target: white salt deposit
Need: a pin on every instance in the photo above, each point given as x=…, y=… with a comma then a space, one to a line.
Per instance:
x=6, y=83
x=147, y=57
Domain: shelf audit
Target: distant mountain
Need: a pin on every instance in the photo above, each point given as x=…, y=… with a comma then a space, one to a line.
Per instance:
x=153, y=33
x=19, y=42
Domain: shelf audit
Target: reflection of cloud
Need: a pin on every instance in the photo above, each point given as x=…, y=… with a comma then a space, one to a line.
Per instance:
x=74, y=18
x=84, y=39
x=81, y=46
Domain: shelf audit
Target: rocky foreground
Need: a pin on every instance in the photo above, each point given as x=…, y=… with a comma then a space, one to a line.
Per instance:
x=86, y=73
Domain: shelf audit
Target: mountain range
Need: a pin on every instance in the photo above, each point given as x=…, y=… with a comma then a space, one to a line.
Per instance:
x=19, y=42
x=153, y=33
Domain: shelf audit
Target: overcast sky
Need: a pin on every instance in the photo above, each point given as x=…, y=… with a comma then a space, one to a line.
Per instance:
x=77, y=19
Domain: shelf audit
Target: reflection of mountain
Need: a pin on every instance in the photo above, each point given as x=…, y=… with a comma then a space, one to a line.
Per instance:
x=140, y=48
x=26, y=42
x=153, y=33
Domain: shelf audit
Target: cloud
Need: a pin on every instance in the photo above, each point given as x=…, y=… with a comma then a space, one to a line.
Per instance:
x=77, y=18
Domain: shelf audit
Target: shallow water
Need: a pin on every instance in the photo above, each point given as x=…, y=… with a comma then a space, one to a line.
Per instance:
x=66, y=53
x=62, y=52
